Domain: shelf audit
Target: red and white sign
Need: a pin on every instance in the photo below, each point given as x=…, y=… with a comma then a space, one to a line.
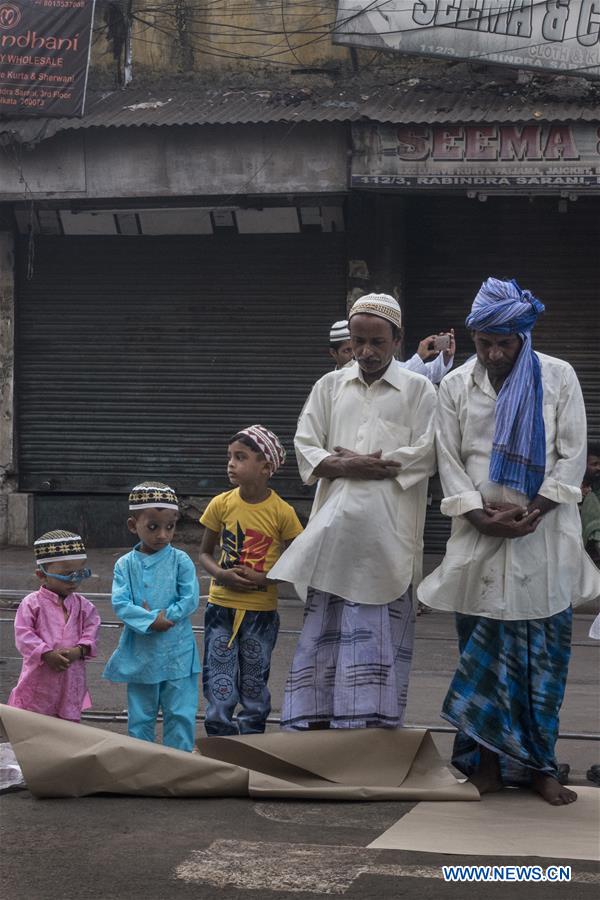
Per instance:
x=529, y=155
x=44, y=56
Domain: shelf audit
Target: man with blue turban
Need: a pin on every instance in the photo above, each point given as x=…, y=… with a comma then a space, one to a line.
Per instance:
x=511, y=446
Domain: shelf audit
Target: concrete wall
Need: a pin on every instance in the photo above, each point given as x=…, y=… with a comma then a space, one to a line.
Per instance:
x=15, y=508
x=183, y=161
x=7, y=337
x=193, y=36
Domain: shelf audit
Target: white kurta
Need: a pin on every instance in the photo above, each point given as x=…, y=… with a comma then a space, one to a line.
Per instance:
x=364, y=539
x=531, y=577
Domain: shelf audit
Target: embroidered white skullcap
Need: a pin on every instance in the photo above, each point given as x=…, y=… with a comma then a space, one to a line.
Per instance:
x=382, y=305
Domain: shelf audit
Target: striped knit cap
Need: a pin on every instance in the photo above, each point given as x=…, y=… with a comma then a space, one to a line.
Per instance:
x=339, y=332
x=268, y=444
x=55, y=545
x=152, y=495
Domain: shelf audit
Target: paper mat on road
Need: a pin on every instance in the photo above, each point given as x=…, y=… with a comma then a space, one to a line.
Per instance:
x=64, y=759
x=353, y=764
x=509, y=823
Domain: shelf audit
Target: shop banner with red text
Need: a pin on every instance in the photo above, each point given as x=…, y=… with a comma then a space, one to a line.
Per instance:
x=44, y=56
x=508, y=157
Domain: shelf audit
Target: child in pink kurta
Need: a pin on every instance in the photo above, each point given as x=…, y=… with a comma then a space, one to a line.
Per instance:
x=55, y=631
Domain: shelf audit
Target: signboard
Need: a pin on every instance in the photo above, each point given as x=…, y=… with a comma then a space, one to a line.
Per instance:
x=44, y=56
x=560, y=35
x=528, y=157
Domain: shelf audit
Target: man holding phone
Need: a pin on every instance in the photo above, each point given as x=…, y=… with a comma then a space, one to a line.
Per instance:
x=434, y=357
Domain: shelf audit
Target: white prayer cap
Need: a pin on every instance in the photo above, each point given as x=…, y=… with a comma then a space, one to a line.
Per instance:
x=382, y=305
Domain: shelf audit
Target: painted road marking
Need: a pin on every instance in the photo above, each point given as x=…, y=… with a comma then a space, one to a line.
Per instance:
x=312, y=868
x=370, y=816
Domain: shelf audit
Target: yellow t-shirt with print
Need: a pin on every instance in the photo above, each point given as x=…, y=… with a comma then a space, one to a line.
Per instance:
x=251, y=534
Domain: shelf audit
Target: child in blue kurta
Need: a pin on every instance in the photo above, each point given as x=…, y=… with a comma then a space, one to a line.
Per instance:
x=155, y=592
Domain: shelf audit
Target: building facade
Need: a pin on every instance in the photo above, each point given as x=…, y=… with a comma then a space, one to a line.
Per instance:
x=172, y=261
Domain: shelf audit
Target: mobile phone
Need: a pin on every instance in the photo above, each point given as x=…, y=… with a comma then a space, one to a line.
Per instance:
x=441, y=342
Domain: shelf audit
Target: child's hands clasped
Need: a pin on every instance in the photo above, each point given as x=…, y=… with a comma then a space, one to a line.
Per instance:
x=61, y=659
x=58, y=660
x=161, y=623
x=240, y=578
x=258, y=579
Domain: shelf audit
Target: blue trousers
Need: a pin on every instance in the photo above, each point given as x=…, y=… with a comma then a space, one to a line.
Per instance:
x=178, y=700
x=237, y=674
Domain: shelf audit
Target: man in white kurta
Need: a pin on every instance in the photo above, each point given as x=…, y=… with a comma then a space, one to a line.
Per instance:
x=534, y=576
x=366, y=435
x=514, y=564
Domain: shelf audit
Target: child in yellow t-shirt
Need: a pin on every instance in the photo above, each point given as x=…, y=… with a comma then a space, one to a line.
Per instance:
x=253, y=525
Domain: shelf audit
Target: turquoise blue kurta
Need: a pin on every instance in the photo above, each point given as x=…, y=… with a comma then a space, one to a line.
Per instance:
x=164, y=580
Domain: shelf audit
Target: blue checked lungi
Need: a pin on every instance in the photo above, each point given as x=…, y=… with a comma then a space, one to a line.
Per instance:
x=507, y=692
x=351, y=665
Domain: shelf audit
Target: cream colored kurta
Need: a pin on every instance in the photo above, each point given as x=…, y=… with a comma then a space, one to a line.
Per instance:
x=531, y=577
x=364, y=538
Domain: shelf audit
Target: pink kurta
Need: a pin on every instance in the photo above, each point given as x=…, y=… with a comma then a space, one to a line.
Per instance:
x=40, y=626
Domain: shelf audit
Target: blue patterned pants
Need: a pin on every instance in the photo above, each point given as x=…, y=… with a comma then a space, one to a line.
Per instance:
x=237, y=674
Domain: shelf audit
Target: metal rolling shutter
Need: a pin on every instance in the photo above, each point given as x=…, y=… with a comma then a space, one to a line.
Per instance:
x=139, y=357
x=455, y=243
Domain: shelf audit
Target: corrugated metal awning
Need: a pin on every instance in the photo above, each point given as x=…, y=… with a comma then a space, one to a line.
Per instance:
x=411, y=100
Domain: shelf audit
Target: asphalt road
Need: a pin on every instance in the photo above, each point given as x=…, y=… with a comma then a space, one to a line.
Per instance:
x=111, y=848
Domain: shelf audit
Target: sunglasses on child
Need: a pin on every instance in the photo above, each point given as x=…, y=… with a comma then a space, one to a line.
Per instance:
x=77, y=575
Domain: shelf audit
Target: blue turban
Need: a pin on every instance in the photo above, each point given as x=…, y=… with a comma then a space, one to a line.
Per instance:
x=518, y=457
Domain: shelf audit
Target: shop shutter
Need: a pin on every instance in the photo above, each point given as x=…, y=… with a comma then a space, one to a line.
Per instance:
x=139, y=357
x=454, y=244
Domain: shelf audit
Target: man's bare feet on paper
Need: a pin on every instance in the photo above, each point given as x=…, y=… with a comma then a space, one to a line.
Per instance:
x=551, y=790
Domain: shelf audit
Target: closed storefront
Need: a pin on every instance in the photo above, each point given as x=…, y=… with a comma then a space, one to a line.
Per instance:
x=146, y=336
x=139, y=357
x=453, y=244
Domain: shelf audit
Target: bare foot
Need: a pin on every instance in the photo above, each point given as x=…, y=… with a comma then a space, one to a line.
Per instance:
x=552, y=791
x=486, y=782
